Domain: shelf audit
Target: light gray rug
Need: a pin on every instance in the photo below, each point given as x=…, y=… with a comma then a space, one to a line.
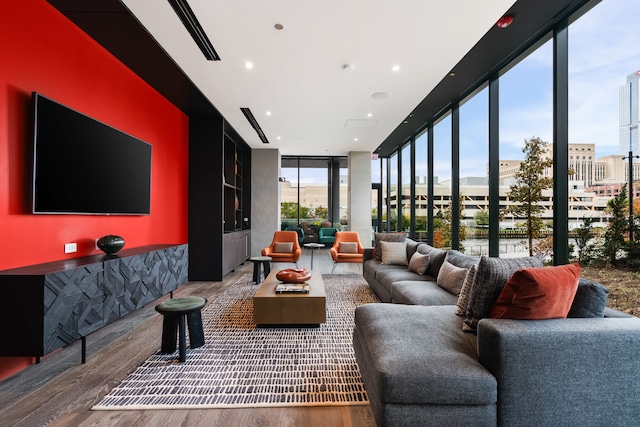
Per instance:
x=242, y=366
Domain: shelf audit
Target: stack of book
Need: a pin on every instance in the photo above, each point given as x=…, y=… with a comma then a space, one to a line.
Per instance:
x=302, y=288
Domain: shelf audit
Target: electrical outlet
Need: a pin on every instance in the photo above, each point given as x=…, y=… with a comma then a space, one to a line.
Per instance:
x=70, y=248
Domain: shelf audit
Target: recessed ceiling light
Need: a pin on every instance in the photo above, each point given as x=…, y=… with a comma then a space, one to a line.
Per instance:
x=380, y=95
x=355, y=139
x=278, y=138
x=369, y=115
x=248, y=65
x=278, y=26
x=396, y=68
x=268, y=113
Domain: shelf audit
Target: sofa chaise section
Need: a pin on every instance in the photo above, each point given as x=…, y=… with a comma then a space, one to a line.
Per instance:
x=421, y=369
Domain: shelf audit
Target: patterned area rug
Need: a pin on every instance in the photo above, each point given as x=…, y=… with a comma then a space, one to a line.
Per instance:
x=243, y=366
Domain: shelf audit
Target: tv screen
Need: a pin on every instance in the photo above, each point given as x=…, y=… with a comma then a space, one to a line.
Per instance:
x=82, y=166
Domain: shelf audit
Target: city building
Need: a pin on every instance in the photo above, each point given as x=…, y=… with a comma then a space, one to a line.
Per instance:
x=629, y=114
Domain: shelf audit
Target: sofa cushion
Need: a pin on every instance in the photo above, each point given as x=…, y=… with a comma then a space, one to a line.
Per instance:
x=420, y=293
x=283, y=247
x=414, y=354
x=451, y=278
x=590, y=300
x=436, y=258
x=348, y=247
x=538, y=293
x=459, y=259
x=373, y=267
x=386, y=277
x=463, y=297
x=419, y=263
x=491, y=276
x=394, y=253
x=385, y=237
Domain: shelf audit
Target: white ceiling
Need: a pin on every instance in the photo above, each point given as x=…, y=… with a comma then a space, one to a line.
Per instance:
x=318, y=106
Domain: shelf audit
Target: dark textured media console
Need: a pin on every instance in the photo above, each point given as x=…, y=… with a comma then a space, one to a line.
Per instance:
x=48, y=306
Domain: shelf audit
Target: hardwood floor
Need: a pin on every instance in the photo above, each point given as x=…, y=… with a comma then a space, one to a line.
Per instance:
x=60, y=391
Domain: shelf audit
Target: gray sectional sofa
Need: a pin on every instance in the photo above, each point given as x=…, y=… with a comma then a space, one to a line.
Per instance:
x=420, y=369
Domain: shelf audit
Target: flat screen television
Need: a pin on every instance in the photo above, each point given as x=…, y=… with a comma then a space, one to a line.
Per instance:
x=82, y=166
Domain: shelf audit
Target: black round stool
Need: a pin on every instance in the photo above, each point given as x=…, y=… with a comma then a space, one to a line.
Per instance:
x=258, y=262
x=175, y=311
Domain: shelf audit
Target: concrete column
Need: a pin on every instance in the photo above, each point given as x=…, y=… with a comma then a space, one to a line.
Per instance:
x=265, y=198
x=359, y=195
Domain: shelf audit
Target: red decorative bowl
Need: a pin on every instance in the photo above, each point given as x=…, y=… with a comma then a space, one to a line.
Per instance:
x=293, y=275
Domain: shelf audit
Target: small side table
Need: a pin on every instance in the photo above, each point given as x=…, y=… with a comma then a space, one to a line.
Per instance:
x=175, y=311
x=258, y=263
x=313, y=246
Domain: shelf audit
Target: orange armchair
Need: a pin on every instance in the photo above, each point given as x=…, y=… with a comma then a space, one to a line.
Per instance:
x=352, y=251
x=280, y=251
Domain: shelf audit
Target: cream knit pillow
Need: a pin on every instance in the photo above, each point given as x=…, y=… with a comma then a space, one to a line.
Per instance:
x=394, y=253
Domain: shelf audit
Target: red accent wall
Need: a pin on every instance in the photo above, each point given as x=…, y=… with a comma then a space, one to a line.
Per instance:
x=42, y=51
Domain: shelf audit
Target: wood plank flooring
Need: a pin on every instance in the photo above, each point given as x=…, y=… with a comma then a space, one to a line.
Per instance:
x=60, y=390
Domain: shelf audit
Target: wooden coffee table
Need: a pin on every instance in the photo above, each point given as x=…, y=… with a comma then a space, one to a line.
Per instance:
x=270, y=308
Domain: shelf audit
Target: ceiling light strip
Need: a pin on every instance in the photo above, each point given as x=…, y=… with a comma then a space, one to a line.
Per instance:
x=184, y=12
x=254, y=123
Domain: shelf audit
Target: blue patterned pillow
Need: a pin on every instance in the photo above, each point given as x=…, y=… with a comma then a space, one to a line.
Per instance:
x=491, y=276
x=590, y=300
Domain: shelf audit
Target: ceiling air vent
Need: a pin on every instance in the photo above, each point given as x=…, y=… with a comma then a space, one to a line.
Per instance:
x=254, y=123
x=192, y=25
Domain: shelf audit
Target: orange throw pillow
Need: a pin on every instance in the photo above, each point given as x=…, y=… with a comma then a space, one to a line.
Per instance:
x=538, y=293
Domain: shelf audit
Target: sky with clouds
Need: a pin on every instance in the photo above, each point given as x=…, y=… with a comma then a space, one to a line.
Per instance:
x=604, y=47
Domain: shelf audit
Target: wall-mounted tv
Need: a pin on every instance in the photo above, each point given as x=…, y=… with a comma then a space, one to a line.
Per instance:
x=82, y=166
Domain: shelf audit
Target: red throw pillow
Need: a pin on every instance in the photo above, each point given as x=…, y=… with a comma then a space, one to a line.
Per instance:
x=538, y=293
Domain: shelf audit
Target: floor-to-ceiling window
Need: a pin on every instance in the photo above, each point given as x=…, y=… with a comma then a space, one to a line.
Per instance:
x=392, y=201
x=343, y=210
x=289, y=188
x=604, y=76
x=474, y=180
x=422, y=195
x=405, y=192
x=442, y=182
x=309, y=191
x=603, y=115
x=526, y=112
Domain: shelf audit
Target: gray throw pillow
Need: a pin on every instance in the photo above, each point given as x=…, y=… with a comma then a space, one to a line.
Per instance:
x=451, y=278
x=283, y=247
x=491, y=276
x=436, y=258
x=459, y=259
x=386, y=237
x=590, y=300
x=419, y=263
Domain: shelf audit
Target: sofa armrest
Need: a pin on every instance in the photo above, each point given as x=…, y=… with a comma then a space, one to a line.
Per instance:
x=367, y=254
x=582, y=371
